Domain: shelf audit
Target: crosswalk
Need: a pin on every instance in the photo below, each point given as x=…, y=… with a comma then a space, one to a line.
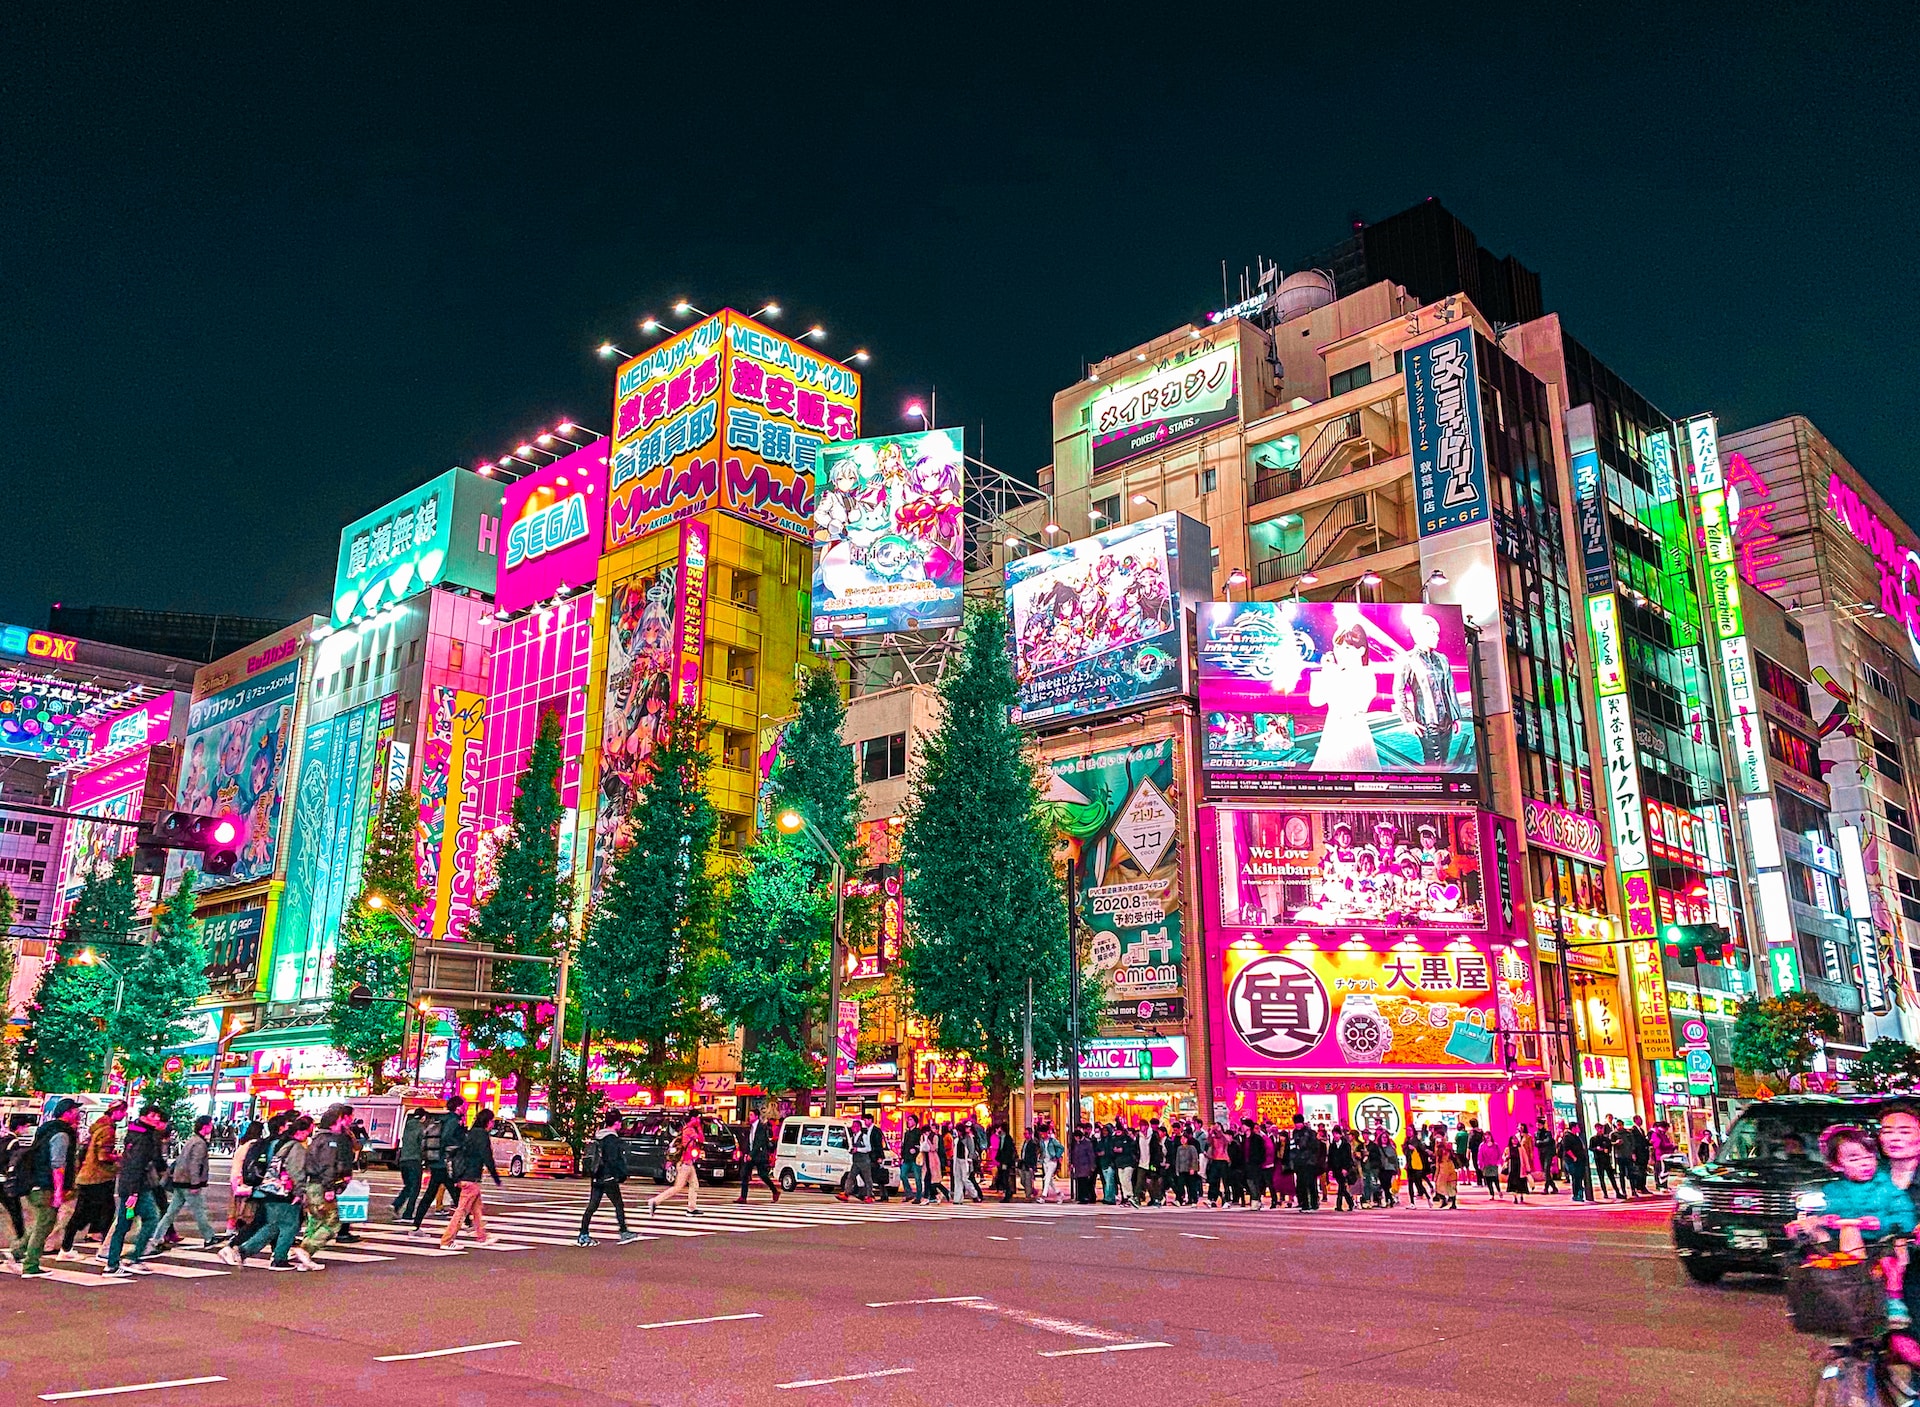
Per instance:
x=526, y=1215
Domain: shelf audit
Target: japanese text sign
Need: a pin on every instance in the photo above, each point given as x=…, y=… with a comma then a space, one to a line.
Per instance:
x=1449, y=455
x=554, y=518
x=444, y=533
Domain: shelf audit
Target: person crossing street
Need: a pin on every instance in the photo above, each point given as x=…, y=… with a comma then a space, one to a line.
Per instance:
x=442, y=1140
x=329, y=1166
x=609, y=1171
x=44, y=1182
x=686, y=1168
x=756, y=1156
x=141, y=1169
x=474, y=1159
x=187, y=1181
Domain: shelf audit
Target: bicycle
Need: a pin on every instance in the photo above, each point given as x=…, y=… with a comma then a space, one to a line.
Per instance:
x=1860, y=1370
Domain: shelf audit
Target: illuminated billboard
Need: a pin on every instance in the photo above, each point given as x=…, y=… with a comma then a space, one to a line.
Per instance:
x=44, y=718
x=1449, y=456
x=1335, y=698
x=887, y=535
x=727, y=414
x=1350, y=869
x=553, y=519
x=1118, y=808
x=238, y=743
x=447, y=837
x=1148, y=410
x=444, y=533
x=641, y=651
x=1097, y=624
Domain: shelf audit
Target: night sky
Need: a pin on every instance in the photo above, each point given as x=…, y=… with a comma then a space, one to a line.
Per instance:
x=258, y=276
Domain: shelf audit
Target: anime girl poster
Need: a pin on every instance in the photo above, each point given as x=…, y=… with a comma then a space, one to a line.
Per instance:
x=640, y=649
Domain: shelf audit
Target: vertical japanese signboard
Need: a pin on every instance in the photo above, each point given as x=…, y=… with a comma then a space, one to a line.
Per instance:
x=1449, y=456
x=1746, y=729
x=1589, y=500
x=1619, y=755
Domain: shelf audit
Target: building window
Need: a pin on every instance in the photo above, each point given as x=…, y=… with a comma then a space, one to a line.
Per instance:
x=1209, y=480
x=1913, y=711
x=1886, y=758
x=1878, y=682
x=1353, y=376
x=1909, y=895
x=1779, y=681
x=1900, y=827
x=1106, y=512
x=1785, y=745
x=883, y=759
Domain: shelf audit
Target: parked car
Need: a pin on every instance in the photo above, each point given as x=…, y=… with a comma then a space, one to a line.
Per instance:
x=650, y=1137
x=1731, y=1212
x=523, y=1147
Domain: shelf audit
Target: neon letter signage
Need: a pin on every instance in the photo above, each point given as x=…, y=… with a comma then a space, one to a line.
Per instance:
x=1899, y=566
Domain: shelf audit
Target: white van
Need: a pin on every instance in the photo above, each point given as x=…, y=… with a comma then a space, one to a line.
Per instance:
x=812, y=1153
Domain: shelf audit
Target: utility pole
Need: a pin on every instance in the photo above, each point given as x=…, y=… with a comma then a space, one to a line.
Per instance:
x=1026, y=1094
x=1073, y=994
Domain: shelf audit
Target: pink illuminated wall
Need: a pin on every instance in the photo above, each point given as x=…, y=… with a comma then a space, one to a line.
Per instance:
x=540, y=661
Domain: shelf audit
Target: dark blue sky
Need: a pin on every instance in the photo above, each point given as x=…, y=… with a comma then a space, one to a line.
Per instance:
x=258, y=275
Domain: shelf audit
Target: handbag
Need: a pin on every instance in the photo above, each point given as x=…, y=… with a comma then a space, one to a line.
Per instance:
x=1837, y=1294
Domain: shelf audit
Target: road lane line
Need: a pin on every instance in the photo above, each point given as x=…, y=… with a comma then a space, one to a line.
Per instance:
x=133, y=1387
x=945, y=1299
x=710, y=1319
x=446, y=1352
x=844, y=1378
x=1196, y=1236
x=1138, y=1231
x=1104, y=1348
x=996, y=1238
x=1045, y=1323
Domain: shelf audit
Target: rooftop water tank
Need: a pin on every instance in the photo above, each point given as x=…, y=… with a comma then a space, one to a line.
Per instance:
x=1299, y=294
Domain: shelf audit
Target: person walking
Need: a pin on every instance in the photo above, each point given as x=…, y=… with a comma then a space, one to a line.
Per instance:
x=1340, y=1168
x=1030, y=1154
x=1389, y=1167
x=444, y=1138
x=1662, y=1147
x=278, y=1192
x=686, y=1167
x=963, y=1156
x=1308, y=1164
x=1284, y=1186
x=410, y=1155
x=330, y=1157
x=933, y=1164
x=474, y=1159
x=141, y=1169
x=1488, y=1159
x=1601, y=1146
x=1573, y=1158
x=1126, y=1161
x=756, y=1157
x=243, y=1210
x=1418, y=1164
x=1517, y=1184
x=860, y=1180
x=1053, y=1170
x=1547, y=1154
x=93, y=1207
x=609, y=1171
x=44, y=1182
x=188, y=1180
x=1083, y=1162
x=1639, y=1154
x=15, y=1149
x=1446, y=1176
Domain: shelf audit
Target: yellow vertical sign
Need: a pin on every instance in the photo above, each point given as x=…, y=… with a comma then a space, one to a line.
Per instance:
x=1653, y=1017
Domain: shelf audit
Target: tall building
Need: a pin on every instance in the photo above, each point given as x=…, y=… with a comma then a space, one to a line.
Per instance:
x=1811, y=531
x=1429, y=252
x=183, y=634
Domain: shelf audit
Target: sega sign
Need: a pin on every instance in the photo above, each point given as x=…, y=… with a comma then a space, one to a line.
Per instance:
x=547, y=530
x=22, y=643
x=554, y=519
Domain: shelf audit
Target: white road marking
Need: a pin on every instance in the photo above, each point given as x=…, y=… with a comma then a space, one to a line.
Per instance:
x=844, y=1378
x=1196, y=1236
x=1044, y=1322
x=446, y=1352
x=133, y=1387
x=1134, y=1229
x=710, y=1319
x=946, y=1299
x=74, y=1277
x=178, y=1272
x=1104, y=1348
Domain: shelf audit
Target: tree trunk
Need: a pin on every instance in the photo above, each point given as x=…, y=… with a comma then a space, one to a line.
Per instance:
x=1000, y=1097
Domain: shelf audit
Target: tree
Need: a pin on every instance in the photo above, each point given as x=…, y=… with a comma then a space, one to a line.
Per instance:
x=164, y=979
x=525, y=914
x=376, y=949
x=1886, y=1066
x=769, y=971
x=68, y=1020
x=984, y=908
x=1779, y=1035
x=7, y=1053
x=640, y=959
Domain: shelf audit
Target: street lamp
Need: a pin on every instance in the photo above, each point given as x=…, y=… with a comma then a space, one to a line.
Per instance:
x=793, y=822
x=1236, y=577
x=1436, y=577
x=362, y=996
x=1367, y=579
x=87, y=957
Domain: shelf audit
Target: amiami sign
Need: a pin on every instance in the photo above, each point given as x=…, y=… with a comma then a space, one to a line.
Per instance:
x=1899, y=566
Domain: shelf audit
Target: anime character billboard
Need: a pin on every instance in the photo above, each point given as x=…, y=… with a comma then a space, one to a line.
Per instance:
x=236, y=754
x=1351, y=869
x=888, y=546
x=1336, y=698
x=640, y=660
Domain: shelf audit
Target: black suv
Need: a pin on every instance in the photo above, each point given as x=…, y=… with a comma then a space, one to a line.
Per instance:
x=1731, y=1212
x=651, y=1136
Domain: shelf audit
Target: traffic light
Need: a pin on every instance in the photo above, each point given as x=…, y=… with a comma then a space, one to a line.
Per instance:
x=217, y=838
x=1691, y=943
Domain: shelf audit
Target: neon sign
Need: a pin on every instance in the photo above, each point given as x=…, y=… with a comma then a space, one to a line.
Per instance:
x=547, y=530
x=1899, y=566
x=1750, y=506
x=36, y=644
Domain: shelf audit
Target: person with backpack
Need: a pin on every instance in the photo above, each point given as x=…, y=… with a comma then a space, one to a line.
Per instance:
x=411, y=1153
x=15, y=1148
x=141, y=1169
x=93, y=1207
x=330, y=1157
x=472, y=1160
x=44, y=1180
x=242, y=1210
x=188, y=1179
x=276, y=1171
x=444, y=1138
x=609, y=1171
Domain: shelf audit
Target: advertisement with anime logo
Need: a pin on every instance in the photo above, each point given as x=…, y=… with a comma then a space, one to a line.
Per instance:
x=1121, y=809
x=887, y=535
x=1096, y=625
x=236, y=752
x=640, y=659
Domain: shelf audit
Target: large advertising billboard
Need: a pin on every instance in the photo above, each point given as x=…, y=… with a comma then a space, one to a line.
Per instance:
x=238, y=742
x=1148, y=410
x=554, y=518
x=1120, y=808
x=1449, y=456
x=641, y=647
x=887, y=535
x=1097, y=624
x=447, y=838
x=44, y=718
x=784, y=405
x=665, y=464
x=1344, y=869
x=1335, y=698
x=444, y=533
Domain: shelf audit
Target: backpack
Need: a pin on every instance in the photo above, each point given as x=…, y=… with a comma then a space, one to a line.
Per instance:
x=254, y=1169
x=611, y=1162
x=18, y=1166
x=430, y=1138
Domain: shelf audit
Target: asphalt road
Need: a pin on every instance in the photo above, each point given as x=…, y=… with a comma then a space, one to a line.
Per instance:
x=1481, y=1307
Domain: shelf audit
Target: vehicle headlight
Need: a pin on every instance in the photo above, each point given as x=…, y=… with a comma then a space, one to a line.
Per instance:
x=1687, y=1195
x=1810, y=1199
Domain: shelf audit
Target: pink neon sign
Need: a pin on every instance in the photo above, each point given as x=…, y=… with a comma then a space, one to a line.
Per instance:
x=1899, y=566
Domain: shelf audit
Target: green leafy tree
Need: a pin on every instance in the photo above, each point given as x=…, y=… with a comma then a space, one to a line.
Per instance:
x=376, y=950
x=768, y=972
x=574, y=1106
x=68, y=1021
x=8, y=1054
x=640, y=959
x=1886, y=1066
x=1779, y=1035
x=525, y=914
x=164, y=979
x=984, y=907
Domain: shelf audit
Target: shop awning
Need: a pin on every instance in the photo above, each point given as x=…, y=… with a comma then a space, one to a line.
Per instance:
x=279, y=1038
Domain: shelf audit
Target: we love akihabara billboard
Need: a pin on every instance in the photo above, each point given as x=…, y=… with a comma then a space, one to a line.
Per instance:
x=1336, y=698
